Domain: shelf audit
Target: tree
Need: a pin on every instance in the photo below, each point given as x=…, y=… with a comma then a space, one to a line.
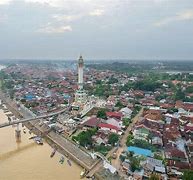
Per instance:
x=187, y=175
x=129, y=139
x=85, y=137
x=23, y=101
x=179, y=95
x=135, y=163
x=119, y=105
x=154, y=176
x=189, y=89
x=126, y=121
x=113, y=138
x=102, y=114
x=113, y=80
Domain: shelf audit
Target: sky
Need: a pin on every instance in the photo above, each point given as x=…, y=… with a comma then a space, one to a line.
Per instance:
x=97, y=29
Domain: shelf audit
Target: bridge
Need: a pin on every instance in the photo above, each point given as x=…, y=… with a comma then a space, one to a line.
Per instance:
x=31, y=119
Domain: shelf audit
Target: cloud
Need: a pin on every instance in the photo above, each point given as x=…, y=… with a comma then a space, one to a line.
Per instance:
x=55, y=30
x=97, y=12
x=183, y=16
x=66, y=18
x=59, y=3
x=3, y=17
x=5, y=2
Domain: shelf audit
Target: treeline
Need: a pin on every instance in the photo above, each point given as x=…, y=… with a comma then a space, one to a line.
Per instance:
x=144, y=85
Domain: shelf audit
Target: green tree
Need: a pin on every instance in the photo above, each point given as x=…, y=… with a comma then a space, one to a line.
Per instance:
x=85, y=137
x=119, y=105
x=189, y=89
x=102, y=114
x=187, y=175
x=129, y=140
x=179, y=95
x=154, y=176
x=113, y=138
x=113, y=80
x=135, y=163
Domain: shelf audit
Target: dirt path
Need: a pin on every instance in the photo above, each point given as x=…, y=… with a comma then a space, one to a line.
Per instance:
x=116, y=162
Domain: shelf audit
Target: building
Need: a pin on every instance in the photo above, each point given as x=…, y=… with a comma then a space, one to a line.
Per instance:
x=80, y=73
x=80, y=95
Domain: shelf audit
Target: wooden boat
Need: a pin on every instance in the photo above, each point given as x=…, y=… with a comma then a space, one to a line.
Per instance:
x=69, y=163
x=53, y=153
x=38, y=140
x=32, y=137
x=61, y=160
x=83, y=173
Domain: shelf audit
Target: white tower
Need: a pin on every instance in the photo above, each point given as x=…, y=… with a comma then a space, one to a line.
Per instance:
x=80, y=95
x=80, y=73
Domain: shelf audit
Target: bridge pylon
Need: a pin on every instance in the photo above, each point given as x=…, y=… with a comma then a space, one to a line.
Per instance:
x=18, y=134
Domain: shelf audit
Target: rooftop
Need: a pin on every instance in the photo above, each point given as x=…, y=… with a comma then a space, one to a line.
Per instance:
x=140, y=151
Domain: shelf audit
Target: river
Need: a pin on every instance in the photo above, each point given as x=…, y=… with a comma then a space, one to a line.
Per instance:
x=27, y=160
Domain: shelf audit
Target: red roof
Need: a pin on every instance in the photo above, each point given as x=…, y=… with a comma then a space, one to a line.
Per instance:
x=188, y=128
x=188, y=106
x=92, y=122
x=109, y=126
x=114, y=114
x=178, y=164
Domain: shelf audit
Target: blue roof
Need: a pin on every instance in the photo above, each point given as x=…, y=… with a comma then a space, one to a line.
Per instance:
x=140, y=151
x=29, y=97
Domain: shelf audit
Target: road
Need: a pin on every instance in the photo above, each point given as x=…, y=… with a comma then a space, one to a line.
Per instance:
x=116, y=162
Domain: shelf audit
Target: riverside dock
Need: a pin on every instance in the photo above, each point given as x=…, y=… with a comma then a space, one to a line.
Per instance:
x=63, y=144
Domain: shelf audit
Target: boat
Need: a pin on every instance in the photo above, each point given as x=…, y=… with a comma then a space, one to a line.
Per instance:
x=38, y=140
x=83, y=173
x=53, y=153
x=32, y=137
x=24, y=131
x=61, y=160
x=69, y=163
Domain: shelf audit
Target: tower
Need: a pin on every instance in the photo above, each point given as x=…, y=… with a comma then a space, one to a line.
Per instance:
x=80, y=95
x=80, y=73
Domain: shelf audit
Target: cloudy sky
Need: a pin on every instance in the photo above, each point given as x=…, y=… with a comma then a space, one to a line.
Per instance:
x=98, y=29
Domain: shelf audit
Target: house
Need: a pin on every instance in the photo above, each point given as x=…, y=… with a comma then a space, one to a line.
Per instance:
x=141, y=133
x=126, y=112
x=101, y=138
x=155, y=164
x=175, y=154
x=188, y=106
x=150, y=125
x=190, y=150
x=117, y=115
x=148, y=102
x=153, y=115
x=138, y=175
x=108, y=127
x=114, y=122
x=157, y=141
x=92, y=122
x=140, y=151
x=126, y=166
x=173, y=165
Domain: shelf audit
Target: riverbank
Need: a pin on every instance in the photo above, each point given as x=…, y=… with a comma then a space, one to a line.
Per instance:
x=27, y=160
x=66, y=147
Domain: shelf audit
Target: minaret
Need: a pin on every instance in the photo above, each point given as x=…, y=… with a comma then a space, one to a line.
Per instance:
x=80, y=95
x=80, y=73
